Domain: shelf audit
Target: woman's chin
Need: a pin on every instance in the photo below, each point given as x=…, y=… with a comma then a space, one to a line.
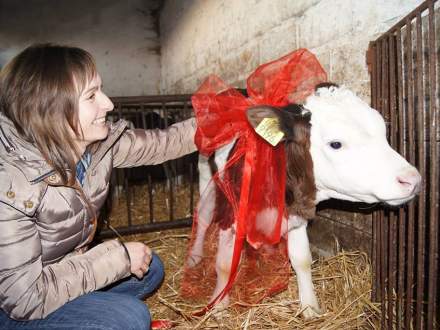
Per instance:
x=100, y=133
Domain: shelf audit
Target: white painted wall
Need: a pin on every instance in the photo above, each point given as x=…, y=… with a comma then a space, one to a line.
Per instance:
x=231, y=38
x=121, y=35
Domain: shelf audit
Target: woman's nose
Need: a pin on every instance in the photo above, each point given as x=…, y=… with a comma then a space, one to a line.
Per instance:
x=107, y=104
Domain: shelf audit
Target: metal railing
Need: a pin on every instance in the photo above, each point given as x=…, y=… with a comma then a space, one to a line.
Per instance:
x=404, y=65
x=133, y=190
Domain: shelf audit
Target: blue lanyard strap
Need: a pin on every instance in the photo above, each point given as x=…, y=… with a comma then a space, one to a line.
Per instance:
x=82, y=166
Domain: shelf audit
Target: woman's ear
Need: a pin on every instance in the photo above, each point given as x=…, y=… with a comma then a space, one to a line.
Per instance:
x=257, y=113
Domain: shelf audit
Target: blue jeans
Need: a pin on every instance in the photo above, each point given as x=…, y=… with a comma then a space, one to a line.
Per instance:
x=117, y=307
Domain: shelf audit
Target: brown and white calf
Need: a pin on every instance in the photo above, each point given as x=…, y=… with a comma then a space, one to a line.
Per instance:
x=336, y=147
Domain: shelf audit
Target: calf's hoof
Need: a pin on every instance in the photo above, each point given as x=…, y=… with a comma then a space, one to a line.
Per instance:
x=309, y=312
x=193, y=260
x=221, y=305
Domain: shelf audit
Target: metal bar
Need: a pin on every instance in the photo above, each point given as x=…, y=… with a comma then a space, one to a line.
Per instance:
x=126, y=186
x=187, y=113
x=434, y=173
x=127, y=195
x=168, y=166
x=127, y=113
x=383, y=265
x=186, y=110
x=400, y=91
x=150, y=190
x=151, y=99
x=421, y=166
x=119, y=110
x=383, y=216
x=392, y=266
x=392, y=239
x=128, y=110
x=150, y=198
x=171, y=194
x=191, y=188
x=151, y=122
x=374, y=261
x=411, y=211
x=402, y=213
x=374, y=248
x=138, y=116
x=394, y=127
x=401, y=272
x=376, y=214
x=382, y=222
x=165, y=114
x=145, y=228
x=144, y=121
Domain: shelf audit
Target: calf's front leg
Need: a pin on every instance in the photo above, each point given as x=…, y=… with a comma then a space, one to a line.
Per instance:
x=206, y=205
x=301, y=260
x=223, y=262
x=205, y=211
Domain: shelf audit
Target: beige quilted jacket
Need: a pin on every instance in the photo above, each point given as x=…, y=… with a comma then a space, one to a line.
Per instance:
x=44, y=225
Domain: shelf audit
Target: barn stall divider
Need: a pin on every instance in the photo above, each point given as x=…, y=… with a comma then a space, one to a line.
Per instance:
x=156, y=197
x=404, y=65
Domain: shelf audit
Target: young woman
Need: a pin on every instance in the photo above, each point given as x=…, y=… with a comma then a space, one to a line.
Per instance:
x=57, y=152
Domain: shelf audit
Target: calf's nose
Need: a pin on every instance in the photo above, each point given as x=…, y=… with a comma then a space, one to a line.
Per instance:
x=410, y=180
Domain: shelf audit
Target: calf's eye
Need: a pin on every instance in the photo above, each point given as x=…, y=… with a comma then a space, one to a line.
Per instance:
x=336, y=144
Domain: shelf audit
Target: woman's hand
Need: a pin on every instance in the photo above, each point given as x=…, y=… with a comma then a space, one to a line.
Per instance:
x=140, y=257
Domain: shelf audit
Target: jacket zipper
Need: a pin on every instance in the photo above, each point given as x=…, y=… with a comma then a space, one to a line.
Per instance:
x=42, y=177
x=6, y=143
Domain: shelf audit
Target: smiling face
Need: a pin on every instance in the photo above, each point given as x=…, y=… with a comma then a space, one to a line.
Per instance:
x=352, y=159
x=92, y=109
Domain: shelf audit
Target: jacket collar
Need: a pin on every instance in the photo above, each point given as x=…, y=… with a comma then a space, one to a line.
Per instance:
x=26, y=157
x=116, y=130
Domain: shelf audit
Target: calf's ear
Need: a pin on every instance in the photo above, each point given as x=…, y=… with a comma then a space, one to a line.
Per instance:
x=266, y=122
x=256, y=114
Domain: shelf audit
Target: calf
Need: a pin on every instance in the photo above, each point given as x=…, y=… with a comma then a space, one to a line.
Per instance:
x=336, y=147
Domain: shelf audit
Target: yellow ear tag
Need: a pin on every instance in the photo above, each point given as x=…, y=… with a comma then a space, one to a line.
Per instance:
x=269, y=129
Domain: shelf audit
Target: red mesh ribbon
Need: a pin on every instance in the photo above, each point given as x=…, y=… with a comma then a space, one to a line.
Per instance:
x=253, y=180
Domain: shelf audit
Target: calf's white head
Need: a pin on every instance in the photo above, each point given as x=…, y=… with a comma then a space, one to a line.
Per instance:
x=351, y=157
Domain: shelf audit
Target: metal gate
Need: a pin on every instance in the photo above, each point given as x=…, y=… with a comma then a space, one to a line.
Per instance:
x=127, y=184
x=404, y=65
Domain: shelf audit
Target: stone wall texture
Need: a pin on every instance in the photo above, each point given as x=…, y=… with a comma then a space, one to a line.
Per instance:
x=231, y=38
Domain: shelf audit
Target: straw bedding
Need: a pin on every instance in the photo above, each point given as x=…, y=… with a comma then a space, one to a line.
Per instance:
x=342, y=282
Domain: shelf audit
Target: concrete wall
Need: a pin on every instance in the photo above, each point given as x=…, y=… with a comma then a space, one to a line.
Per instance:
x=122, y=36
x=231, y=38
